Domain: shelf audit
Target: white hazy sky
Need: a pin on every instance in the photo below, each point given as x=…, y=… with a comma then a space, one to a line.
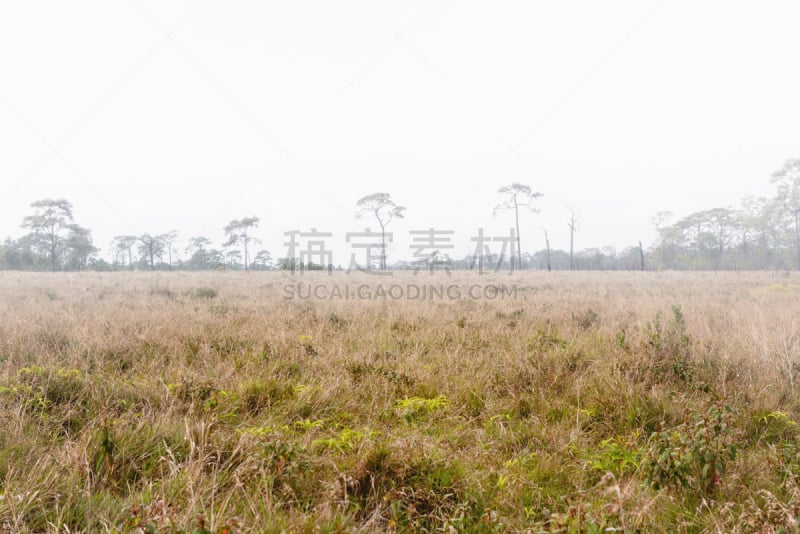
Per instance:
x=151, y=115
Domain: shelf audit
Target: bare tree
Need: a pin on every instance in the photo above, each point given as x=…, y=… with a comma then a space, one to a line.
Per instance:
x=383, y=208
x=517, y=196
x=641, y=255
x=574, y=225
x=237, y=232
x=547, y=243
x=169, y=243
x=117, y=254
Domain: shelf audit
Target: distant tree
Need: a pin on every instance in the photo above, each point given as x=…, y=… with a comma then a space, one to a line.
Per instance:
x=574, y=225
x=630, y=259
x=711, y=231
x=517, y=196
x=659, y=222
x=547, y=244
x=80, y=249
x=169, y=244
x=288, y=264
x=263, y=259
x=788, y=182
x=117, y=255
x=761, y=217
x=701, y=239
x=723, y=223
x=124, y=244
x=197, y=244
x=198, y=250
x=150, y=246
x=49, y=225
x=216, y=259
x=641, y=256
x=233, y=258
x=99, y=264
x=237, y=233
x=6, y=254
x=17, y=254
x=383, y=208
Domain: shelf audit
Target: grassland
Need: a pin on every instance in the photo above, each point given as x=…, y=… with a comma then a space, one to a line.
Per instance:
x=210, y=403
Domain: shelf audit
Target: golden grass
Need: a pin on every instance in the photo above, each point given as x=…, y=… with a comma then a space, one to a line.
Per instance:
x=181, y=401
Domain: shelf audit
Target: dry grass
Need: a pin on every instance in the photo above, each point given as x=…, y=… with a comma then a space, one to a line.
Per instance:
x=639, y=401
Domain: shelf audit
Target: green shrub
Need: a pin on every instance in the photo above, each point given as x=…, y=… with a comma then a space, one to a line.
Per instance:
x=692, y=455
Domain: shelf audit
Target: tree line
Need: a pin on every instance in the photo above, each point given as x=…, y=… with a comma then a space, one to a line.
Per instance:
x=763, y=233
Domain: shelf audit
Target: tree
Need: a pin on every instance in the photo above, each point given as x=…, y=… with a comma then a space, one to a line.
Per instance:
x=382, y=207
x=17, y=254
x=237, y=232
x=233, y=258
x=199, y=255
x=197, y=244
x=124, y=244
x=48, y=225
x=547, y=243
x=701, y=239
x=216, y=259
x=169, y=241
x=574, y=226
x=761, y=217
x=788, y=182
x=722, y=223
x=641, y=255
x=710, y=232
x=659, y=221
x=517, y=196
x=263, y=259
x=80, y=249
x=150, y=246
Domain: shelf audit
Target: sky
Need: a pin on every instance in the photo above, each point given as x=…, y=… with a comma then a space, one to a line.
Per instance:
x=151, y=116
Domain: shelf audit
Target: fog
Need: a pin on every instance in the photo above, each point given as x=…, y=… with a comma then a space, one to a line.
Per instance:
x=151, y=117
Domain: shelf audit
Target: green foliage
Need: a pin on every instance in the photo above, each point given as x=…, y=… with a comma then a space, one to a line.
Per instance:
x=693, y=455
x=347, y=440
x=157, y=517
x=671, y=349
x=412, y=408
x=773, y=427
x=616, y=456
x=104, y=451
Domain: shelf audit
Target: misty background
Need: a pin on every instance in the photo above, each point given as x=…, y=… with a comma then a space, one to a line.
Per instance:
x=152, y=116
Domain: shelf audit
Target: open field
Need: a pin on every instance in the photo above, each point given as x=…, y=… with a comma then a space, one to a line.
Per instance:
x=640, y=401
